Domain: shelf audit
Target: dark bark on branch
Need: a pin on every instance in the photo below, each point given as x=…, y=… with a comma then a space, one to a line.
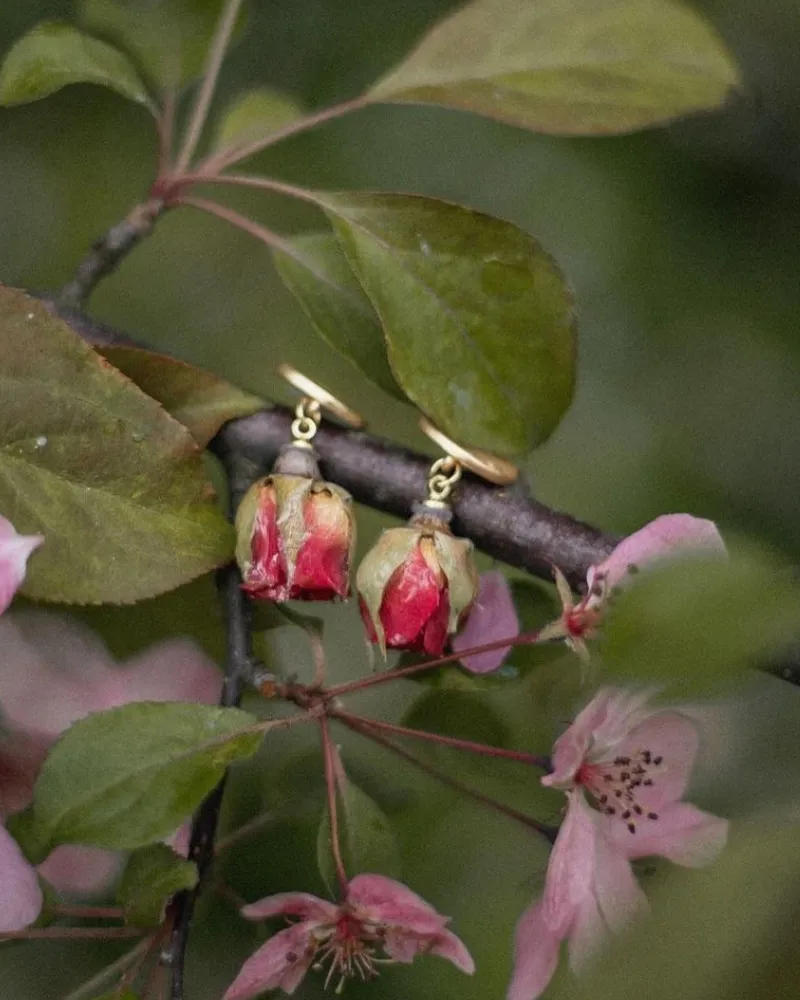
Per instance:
x=503, y=522
x=238, y=665
x=109, y=251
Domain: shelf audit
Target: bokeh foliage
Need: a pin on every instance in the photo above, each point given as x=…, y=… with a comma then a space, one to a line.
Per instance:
x=681, y=246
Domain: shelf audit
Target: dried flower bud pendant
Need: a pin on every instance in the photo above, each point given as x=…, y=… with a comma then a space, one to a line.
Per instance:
x=295, y=532
x=417, y=584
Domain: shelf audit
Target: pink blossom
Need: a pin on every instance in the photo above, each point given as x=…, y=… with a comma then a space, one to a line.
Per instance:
x=20, y=894
x=590, y=890
x=15, y=550
x=491, y=618
x=667, y=537
x=55, y=672
x=379, y=920
x=624, y=768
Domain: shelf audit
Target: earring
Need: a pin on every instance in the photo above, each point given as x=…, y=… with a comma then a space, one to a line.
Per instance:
x=295, y=532
x=418, y=582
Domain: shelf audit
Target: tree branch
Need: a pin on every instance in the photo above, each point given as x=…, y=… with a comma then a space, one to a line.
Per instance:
x=108, y=251
x=238, y=662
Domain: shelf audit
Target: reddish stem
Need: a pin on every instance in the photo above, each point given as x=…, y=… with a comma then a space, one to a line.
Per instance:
x=365, y=729
x=74, y=933
x=447, y=741
x=88, y=912
x=272, y=240
x=328, y=752
x=227, y=157
x=527, y=638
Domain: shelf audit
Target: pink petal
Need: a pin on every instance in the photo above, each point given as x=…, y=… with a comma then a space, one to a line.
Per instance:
x=493, y=617
x=570, y=749
x=15, y=550
x=674, y=739
x=448, y=945
x=174, y=670
x=536, y=949
x=570, y=871
x=383, y=901
x=684, y=834
x=587, y=935
x=292, y=904
x=81, y=871
x=666, y=536
x=615, y=887
x=281, y=962
x=21, y=896
x=52, y=670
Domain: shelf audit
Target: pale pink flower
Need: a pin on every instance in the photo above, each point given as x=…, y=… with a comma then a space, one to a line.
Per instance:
x=624, y=768
x=668, y=537
x=379, y=921
x=55, y=672
x=20, y=894
x=15, y=550
x=590, y=890
x=491, y=618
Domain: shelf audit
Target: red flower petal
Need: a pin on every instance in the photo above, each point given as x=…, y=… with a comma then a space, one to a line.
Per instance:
x=267, y=576
x=412, y=598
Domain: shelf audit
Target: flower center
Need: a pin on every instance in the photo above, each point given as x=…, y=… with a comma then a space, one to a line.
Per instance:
x=348, y=950
x=614, y=786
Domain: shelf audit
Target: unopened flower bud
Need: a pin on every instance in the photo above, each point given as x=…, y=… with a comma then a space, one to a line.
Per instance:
x=416, y=586
x=295, y=539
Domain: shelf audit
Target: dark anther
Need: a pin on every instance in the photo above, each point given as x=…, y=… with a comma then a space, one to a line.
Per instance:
x=648, y=782
x=657, y=760
x=632, y=827
x=638, y=810
x=626, y=814
x=652, y=815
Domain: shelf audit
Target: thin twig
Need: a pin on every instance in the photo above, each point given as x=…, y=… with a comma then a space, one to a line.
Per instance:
x=216, y=54
x=228, y=157
x=130, y=960
x=238, y=661
x=272, y=240
x=333, y=809
x=166, y=126
x=88, y=912
x=73, y=934
x=366, y=730
x=350, y=687
x=484, y=749
x=248, y=181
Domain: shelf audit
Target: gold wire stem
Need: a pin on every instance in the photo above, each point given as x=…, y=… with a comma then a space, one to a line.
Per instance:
x=306, y=423
x=443, y=476
x=489, y=467
x=315, y=393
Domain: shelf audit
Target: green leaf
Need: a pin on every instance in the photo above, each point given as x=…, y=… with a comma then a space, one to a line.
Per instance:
x=116, y=486
x=569, y=67
x=53, y=55
x=477, y=316
x=151, y=878
x=367, y=841
x=168, y=39
x=116, y=995
x=255, y=114
x=699, y=621
x=319, y=276
x=130, y=776
x=199, y=400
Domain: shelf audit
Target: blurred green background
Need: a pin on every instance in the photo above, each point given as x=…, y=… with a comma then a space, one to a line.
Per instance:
x=681, y=245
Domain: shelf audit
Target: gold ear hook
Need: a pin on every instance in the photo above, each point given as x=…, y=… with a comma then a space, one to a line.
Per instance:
x=494, y=469
x=316, y=397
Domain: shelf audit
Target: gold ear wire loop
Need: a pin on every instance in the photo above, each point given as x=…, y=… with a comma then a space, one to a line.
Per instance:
x=314, y=395
x=494, y=469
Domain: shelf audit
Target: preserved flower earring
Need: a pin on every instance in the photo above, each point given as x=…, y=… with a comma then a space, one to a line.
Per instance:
x=295, y=533
x=418, y=582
